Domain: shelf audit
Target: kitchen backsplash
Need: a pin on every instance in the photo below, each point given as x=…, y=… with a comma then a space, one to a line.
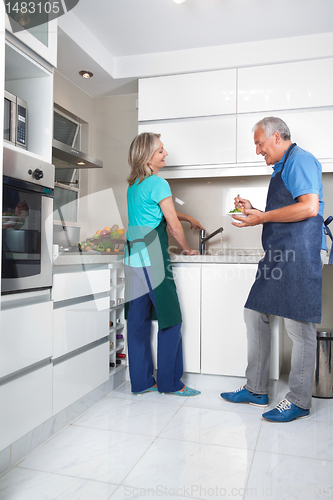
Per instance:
x=209, y=200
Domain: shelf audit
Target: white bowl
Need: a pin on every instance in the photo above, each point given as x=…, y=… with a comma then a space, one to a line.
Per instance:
x=239, y=214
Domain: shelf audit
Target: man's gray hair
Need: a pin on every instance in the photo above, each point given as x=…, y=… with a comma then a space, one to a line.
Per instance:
x=272, y=124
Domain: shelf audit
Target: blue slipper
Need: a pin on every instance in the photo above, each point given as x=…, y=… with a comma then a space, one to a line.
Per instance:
x=186, y=392
x=150, y=389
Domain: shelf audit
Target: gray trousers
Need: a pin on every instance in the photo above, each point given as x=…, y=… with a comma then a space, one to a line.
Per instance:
x=303, y=356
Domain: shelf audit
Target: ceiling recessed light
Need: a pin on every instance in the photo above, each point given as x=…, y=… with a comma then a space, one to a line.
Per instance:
x=86, y=74
x=81, y=162
x=179, y=1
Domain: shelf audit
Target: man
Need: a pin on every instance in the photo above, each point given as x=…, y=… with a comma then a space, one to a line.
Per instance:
x=289, y=278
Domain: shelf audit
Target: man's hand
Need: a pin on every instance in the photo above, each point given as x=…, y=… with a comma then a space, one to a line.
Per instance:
x=254, y=218
x=242, y=203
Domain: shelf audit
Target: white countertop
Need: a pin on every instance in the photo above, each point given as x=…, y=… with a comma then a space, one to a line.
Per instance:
x=73, y=259
x=225, y=256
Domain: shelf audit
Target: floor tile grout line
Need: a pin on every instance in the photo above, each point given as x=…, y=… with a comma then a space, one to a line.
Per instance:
x=156, y=437
x=67, y=475
x=253, y=456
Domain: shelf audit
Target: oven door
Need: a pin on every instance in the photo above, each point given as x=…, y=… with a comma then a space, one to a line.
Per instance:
x=27, y=222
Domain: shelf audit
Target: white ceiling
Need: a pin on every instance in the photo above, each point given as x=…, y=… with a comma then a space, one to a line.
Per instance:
x=100, y=35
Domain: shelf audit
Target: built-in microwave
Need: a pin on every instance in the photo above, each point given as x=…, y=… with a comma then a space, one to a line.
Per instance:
x=15, y=120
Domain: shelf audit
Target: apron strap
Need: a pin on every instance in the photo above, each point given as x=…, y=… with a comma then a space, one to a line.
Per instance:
x=328, y=233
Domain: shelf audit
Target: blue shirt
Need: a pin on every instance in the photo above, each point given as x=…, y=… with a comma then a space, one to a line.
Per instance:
x=302, y=174
x=144, y=214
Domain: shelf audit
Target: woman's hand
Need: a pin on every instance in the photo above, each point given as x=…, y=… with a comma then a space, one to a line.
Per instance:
x=190, y=252
x=195, y=224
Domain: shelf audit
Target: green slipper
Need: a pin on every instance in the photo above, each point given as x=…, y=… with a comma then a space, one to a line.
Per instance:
x=150, y=389
x=186, y=392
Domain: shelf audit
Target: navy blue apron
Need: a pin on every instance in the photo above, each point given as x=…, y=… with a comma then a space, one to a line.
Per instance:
x=289, y=277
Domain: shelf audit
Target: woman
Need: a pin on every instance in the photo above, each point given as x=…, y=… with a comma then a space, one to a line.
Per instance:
x=151, y=291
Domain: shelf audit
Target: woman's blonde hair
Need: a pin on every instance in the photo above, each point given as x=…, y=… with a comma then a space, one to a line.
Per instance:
x=140, y=152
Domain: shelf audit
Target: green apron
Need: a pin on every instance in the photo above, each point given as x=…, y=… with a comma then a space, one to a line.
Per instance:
x=167, y=311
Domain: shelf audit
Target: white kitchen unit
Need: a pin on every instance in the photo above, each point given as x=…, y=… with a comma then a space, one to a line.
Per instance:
x=25, y=334
x=79, y=324
x=26, y=402
x=81, y=332
x=225, y=288
x=200, y=141
x=305, y=84
x=189, y=95
x=188, y=282
x=41, y=39
x=78, y=375
x=304, y=125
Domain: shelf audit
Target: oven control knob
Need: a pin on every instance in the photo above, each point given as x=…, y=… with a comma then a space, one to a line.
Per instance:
x=38, y=174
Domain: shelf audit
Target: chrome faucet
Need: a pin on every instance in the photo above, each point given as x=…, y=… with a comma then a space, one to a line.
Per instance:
x=204, y=238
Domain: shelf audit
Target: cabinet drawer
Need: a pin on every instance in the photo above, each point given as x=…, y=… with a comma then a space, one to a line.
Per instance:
x=71, y=285
x=25, y=403
x=25, y=336
x=80, y=324
x=79, y=375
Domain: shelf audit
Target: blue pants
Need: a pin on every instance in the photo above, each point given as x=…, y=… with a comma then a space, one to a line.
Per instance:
x=169, y=347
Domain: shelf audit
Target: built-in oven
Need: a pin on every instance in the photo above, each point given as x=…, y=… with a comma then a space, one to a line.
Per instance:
x=27, y=222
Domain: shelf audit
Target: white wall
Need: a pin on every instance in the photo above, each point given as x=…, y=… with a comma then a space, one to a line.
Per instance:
x=112, y=123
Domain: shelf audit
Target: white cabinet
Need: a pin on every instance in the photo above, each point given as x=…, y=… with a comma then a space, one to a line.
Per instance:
x=304, y=125
x=25, y=336
x=188, y=282
x=41, y=39
x=26, y=402
x=81, y=333
x=79, y=324
x=188, y=95
x=202, y=141
x=306, y=84
x=79, y=375
x=225, y=288
x=79, y=284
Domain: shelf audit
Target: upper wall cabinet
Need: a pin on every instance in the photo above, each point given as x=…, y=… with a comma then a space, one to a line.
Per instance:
x=41, y=39
x=200, y=141
x=188, y=95
x=305, y=84
x=305, y=125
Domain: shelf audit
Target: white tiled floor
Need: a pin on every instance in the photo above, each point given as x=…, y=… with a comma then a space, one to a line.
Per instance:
x=164, y=446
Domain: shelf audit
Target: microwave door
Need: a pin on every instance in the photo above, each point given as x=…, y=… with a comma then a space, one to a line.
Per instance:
x=10, y=112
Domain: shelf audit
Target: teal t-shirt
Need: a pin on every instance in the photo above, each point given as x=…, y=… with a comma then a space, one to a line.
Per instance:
x=144, y=214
